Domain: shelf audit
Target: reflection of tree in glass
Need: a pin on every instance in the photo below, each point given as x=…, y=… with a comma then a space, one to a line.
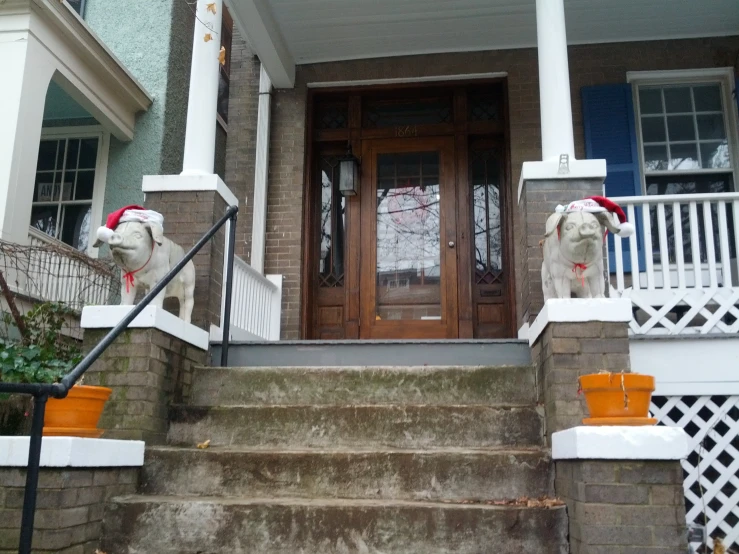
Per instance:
x=332, y=221
x=488, y=235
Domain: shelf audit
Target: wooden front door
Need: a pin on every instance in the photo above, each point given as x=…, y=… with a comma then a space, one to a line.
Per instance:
x=424, y=250
x=408, y=282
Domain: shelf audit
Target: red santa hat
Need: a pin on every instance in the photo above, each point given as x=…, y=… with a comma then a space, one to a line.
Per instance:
x=599, y=204
x=127, y=213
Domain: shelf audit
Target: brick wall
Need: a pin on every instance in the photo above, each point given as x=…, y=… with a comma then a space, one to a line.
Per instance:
x=623, y=507
x=69, y=509
x=589, y=65
x=148, y=370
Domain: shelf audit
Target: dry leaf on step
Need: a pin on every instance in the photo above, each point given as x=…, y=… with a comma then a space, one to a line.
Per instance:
x=208, y=37
x=222, y=56
x=204, y=445
x=211, y=8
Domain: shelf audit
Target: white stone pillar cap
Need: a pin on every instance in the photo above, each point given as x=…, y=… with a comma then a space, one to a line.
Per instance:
x=579, y=310
x=73, y=452
x=649, y=442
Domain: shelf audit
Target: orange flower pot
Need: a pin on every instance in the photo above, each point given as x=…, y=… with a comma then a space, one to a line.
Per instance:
x=618, y=398
x=78, y=414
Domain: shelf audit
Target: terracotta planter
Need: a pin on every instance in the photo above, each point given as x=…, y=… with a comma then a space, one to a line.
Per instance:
x=618, y=398
x=78, y=414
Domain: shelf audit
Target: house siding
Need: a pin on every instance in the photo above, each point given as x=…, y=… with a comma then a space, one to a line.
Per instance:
x=589, y=65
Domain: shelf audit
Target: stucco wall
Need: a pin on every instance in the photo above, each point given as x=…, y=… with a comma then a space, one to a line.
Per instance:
x=153, y=39
x=589, y=65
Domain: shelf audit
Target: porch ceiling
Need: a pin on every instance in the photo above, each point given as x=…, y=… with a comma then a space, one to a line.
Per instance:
x=288, y=32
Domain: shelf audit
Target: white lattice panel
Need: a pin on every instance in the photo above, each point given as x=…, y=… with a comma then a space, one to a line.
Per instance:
x=712, y=469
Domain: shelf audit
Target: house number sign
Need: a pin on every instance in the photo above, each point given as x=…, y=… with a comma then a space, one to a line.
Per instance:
x=406, y=131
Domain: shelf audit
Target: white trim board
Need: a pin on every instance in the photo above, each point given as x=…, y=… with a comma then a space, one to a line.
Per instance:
x=580, y=310
x=688, y=366
x=620, y=443
x=73, y=452
x=189, y=183
x=107, y=317
x=402, y=80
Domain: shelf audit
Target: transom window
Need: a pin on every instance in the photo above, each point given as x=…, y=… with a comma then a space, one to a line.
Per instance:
x=64, y=187
x=686, y=146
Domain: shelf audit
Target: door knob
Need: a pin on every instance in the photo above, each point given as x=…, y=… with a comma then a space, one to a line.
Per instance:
x=451, y=244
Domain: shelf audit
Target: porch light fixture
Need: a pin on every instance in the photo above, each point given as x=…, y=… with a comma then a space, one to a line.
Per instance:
x=349, y=173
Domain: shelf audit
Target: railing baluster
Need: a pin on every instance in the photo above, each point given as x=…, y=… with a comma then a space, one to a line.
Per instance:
x=710, y=247
x=648, y=253
x=664, y=253
x=634, y=250
x=677, y=226
x=723, y=236
x=695, y=245
x=619, y=261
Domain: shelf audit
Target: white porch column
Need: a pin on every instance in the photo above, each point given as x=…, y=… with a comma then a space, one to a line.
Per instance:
x=26, y=73
x=202, y=106
x=261, y=169
x=554, y=81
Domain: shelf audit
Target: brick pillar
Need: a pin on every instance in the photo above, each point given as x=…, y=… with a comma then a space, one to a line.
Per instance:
x=149, y=367
x=539, y=199
x=623, y=487
x=571, y=338
x=191, y=205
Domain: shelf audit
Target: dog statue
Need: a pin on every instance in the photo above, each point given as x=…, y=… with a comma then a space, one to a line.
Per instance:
x=573, y=247
x=138, y=246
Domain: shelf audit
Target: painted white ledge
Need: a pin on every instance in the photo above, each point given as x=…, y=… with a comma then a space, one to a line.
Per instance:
x=73, y=452
x=620, y=443
x=579, y=310
x=549, y=170
x=189, y=183
x=107, y=317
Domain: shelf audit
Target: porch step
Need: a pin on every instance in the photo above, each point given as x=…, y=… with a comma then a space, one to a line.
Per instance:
x=446, y=474
x=212, y=386
x=344, y=353
x=410, y=426
x=189, y=525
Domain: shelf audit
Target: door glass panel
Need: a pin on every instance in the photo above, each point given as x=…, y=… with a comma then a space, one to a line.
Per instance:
x=485, y=180
x=333, y=225
x=408, y=273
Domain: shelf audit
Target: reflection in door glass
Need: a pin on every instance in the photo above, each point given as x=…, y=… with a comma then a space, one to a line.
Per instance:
x=408, y=236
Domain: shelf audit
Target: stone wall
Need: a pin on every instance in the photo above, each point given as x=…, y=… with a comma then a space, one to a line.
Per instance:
x=623, y=507
x=148, y=370
x=69, y=508
x=589, y=65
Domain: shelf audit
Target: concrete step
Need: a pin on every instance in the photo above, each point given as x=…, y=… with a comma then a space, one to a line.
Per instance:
x=182, y=525
x=368, y=426
x=406, y=352
x=443, y=474
x=214, y=386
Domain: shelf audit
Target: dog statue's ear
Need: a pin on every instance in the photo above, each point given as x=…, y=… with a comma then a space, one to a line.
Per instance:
x=553, y=223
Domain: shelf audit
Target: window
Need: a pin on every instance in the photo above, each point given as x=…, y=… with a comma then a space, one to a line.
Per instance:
x=686, y=141
x=78, y=6
x=65, y=197
x=224, y=74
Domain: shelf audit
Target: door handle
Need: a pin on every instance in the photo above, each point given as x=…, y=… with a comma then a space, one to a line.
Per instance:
x=451, y=244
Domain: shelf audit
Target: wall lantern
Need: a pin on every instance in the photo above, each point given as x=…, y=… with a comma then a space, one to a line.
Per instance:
x=349, y=173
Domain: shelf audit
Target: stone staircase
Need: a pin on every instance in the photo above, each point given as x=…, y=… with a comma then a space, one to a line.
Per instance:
x=307, y=460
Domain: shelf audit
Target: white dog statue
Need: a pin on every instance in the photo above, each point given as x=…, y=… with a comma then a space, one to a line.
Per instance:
x=138, y=246
x=573, y=247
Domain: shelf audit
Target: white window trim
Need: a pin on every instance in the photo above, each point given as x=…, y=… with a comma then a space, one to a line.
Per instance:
x=101, y=169
x=722, y=75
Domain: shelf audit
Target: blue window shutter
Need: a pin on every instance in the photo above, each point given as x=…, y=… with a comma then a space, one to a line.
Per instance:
x=608, y=118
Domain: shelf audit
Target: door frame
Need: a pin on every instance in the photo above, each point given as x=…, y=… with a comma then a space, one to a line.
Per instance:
x=354, y=134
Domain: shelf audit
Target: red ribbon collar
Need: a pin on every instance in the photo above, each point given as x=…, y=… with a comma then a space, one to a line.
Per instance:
x=582, y=268
x=128, y=275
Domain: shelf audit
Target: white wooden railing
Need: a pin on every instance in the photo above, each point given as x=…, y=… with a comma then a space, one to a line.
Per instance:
x=680, y=268
x=256, y=304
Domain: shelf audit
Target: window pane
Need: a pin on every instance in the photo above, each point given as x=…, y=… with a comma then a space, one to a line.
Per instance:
x=76, y=226
x=684, y=156
x=711, y=127
x=73, y=149
x=78, y=6
x=484, y=174
x=680, y=127
x=655, y=158
x=88, y=153
x=67, y=185
x=707, y=98
x=61, y=154
x=690, y=184
x=677, y=99
x=45, y=190
x=85, y=184
x=331, y=263
x=653, y=129
x=44, y=219
x=715, y=155
x=47, y=155
x=390, y=113
x=650, y=100
x=223, y=92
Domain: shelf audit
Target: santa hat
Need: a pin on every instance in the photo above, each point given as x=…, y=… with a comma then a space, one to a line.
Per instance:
x=599, y=204
x=123, y=215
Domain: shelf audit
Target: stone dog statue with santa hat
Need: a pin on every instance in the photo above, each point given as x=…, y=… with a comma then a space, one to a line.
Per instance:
x=138, y=246
x=573, y=247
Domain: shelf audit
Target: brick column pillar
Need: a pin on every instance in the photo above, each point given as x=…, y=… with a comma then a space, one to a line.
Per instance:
x=623, y=487
x=149, y=367
x=574, y=337
x=191, y=205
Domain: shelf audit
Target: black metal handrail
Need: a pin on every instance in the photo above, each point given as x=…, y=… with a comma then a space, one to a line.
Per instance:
x=42, y=391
